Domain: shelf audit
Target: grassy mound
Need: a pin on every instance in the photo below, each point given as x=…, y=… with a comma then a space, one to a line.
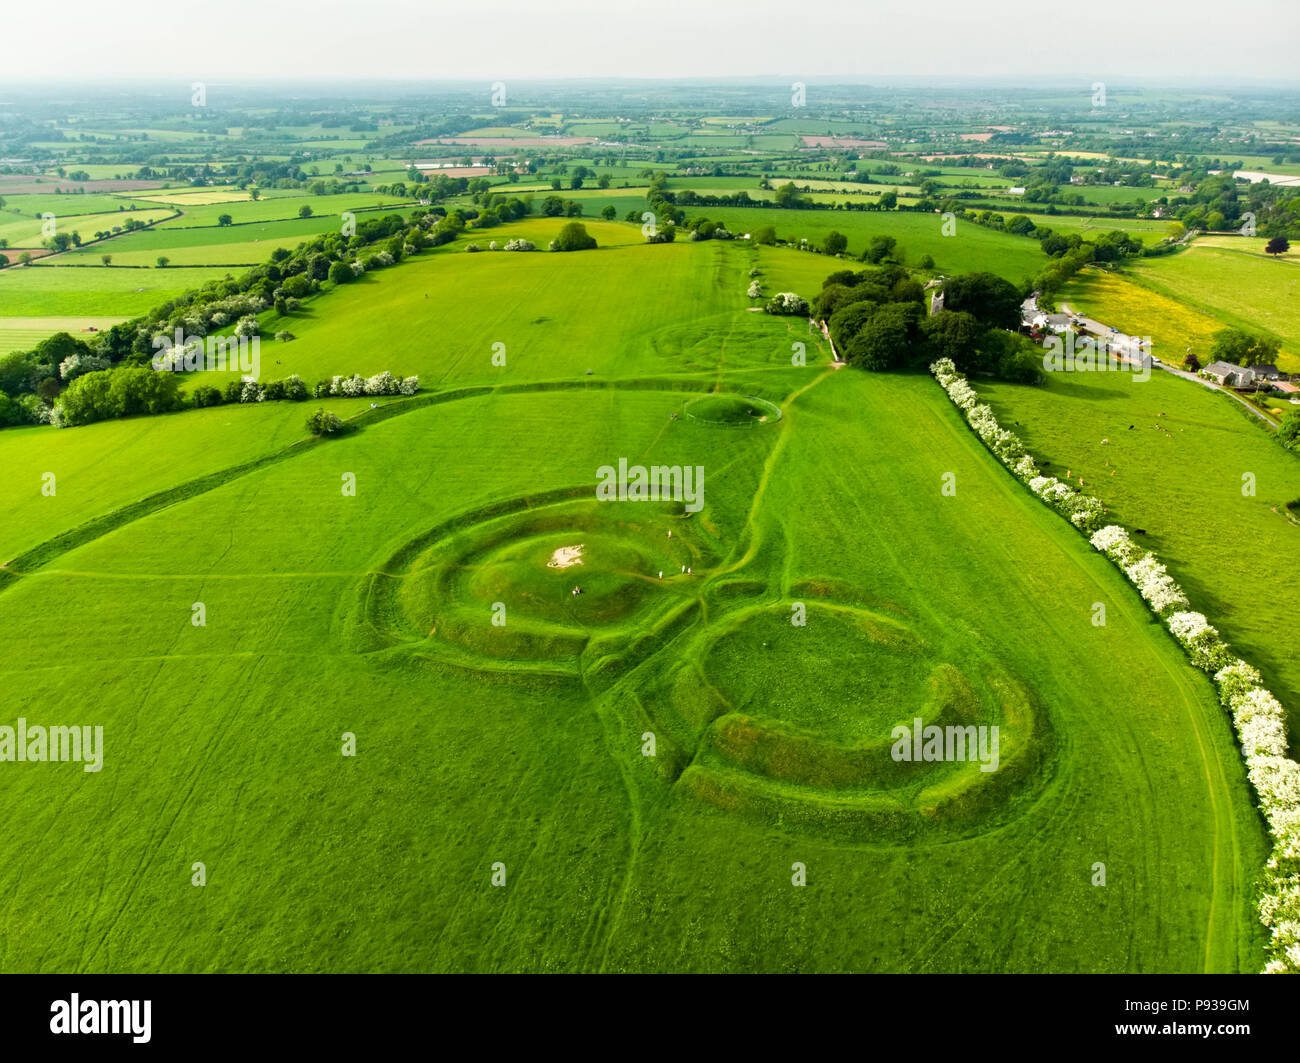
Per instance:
x=732, y=411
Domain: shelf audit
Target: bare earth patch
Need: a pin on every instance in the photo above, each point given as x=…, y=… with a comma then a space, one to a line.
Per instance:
x=566, y=557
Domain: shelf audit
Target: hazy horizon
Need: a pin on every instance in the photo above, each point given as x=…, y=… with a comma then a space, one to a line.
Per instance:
x=404, y=41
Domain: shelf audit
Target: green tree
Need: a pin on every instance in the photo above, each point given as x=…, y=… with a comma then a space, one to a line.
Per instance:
x=888, y=340
x=954, y=334
x=988, y=297
x=340, y=273
x=787, y=196
x=225, y=219
x=1288, y=432
x=834, y=243
x=850, y=319
x=324, y=423
x=573, y=237
x=880, y=249
x=1242, y=348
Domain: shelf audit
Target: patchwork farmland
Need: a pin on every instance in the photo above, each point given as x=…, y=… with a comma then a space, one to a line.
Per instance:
x=637, y=530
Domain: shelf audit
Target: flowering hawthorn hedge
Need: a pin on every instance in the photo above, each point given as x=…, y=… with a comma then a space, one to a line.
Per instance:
x=1257, y=715
x=1083, y=511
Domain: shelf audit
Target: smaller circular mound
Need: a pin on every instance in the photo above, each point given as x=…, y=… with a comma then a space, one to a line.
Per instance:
x=732, y=411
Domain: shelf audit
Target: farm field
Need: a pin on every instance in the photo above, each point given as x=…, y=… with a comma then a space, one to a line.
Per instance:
x=1236, y=284
x=23, y=232
x=1149, y=232
x=93, y=291
x=1178, y=474
x=1176, y=329
x=61, y=205
x=1114, y=749
x=248, y=244
x=113, y=464
x=972, y=247
x=416, y=317
x=278, y=208
x=24, y=333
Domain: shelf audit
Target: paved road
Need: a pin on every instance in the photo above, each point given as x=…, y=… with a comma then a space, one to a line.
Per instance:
x=1130, y=346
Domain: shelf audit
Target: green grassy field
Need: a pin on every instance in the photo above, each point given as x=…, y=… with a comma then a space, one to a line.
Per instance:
x=281, y=208
x=971, y=247
x=24, y=333
x=1231, y=279
x=248, y=244
x=93, y=291
x=23, y=231
x=1178, y=474
x=522, y=744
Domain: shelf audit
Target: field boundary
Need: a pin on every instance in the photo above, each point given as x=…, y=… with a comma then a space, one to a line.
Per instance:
x=1257, y=717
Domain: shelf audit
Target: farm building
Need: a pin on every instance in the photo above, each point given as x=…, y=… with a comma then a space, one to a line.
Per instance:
x=1266, y=372
x=1041, y=321
x=1234, y=376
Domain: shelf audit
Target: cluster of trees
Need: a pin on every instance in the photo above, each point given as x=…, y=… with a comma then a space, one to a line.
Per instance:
x=877, y=319
x=556, y=207
x=576, y=179
x=701, y=228
x=291, y=388
x=1288, y=434
x=494, y=209
x=1238, y=347
x=782, y=302
x=30, y=381
x=1219, y=203
x=324, y=423
x=105, y=394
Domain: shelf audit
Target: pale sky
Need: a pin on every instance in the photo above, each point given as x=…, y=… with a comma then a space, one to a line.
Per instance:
x=531, y=39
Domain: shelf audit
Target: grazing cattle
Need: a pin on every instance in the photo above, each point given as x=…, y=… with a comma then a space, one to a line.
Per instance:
x=1140, y=531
